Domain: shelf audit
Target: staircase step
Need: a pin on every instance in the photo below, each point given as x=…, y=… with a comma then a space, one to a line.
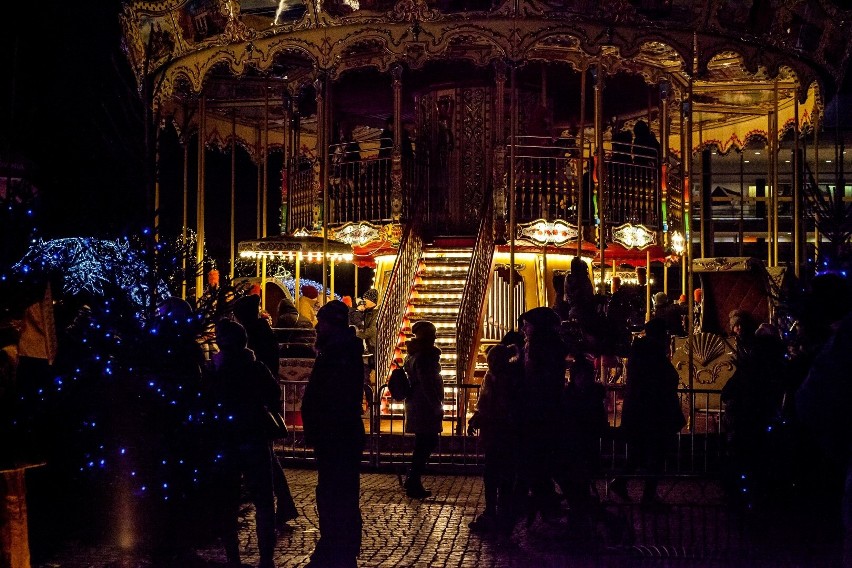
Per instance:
x=428, y=288
x=437, y=296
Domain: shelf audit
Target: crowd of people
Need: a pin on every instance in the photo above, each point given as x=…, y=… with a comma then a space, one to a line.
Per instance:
x=786, y=431
x=540, y=433
x=243, y=355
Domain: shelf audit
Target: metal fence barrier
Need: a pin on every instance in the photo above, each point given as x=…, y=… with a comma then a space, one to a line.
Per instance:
x=698, y=450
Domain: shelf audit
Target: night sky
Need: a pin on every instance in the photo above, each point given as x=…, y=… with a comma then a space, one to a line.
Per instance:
x=68, y=105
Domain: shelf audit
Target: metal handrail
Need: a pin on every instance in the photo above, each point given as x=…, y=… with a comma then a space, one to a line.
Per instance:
x=469, y=317
x=396, y=295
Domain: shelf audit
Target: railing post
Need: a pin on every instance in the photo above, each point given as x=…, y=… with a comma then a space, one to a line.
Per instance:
x=396, y=155
x=499, y=169
x=601, y=170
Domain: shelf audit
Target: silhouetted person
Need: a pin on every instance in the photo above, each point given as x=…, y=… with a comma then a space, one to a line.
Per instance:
x=670, y=313
x=622, y=146
x=652, y=414
x=244, y=389
x=540, y=396
x=579, y=292
x=584, y=421
x=262, y=341
x=823, y=403
x=646, y=148
x=346, y=158
x=308, y=304
x=386, y=142
x=331, y=414
x=495, y=419
x=560, y=306
x=424, y=407
x=288, y=314
x=752, y=400
x=367, y=319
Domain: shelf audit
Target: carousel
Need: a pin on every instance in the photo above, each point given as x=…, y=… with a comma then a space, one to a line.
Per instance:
x=468, y=151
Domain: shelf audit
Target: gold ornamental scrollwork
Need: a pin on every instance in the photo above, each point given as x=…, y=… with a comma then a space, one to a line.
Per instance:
x=413, y=11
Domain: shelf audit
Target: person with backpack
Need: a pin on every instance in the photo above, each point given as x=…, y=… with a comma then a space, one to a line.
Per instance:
x=424, y=407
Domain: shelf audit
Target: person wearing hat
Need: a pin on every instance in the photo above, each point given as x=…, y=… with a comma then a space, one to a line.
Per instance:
x=424, y=407
x=288, y=314
x=579, y=291
x=308, y=304
x=245, y=390
x=368, y=320
x=331, y=415
x=652, y=413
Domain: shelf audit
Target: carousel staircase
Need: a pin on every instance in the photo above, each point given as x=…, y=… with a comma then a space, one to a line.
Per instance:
x=436, y=297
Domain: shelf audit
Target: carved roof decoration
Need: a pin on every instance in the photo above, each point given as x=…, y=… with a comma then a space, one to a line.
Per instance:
x=734, y=57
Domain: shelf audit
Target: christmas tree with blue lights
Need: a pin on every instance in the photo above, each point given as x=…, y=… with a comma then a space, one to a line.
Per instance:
x=120, y=416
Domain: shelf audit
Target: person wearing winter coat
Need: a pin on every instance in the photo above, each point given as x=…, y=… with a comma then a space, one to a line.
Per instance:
x=424, y=407
x=652, y=415
x=584, y=421
x=497, y=425
x=262, y=341
x=308, y=302
x=331, y=416
x=823, y=403
x=244, y=390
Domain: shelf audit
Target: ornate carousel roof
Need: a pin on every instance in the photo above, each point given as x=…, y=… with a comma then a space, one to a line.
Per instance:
x=738, y=56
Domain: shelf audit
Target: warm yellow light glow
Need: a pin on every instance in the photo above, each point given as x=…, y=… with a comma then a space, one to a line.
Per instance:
x=678, y=243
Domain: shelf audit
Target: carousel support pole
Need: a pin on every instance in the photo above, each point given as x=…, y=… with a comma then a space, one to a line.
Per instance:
x=297, y=282
x=324, y=102
x=687, y=216
x=396, y=152
x=513, y=229
x=499, y=144
x=233, y=193
x=286, y=148
x=665, y=277
x=156, y=179
x=331, y=268
x=770, y=189
x=185, y=220
x=581, y=143
x=797, y=190
x=263, y=283
x=817, y=236
x=741, y=225
x=264, y=204
x=199, y=201
x=648, y=284
x=612, y=278
x=662, y=184
x=774, y=159
x=260, y=170
x=683, y=214
x=601, y=171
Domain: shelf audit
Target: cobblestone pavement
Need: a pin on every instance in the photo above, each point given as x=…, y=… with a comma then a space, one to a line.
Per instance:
x=697, y=530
